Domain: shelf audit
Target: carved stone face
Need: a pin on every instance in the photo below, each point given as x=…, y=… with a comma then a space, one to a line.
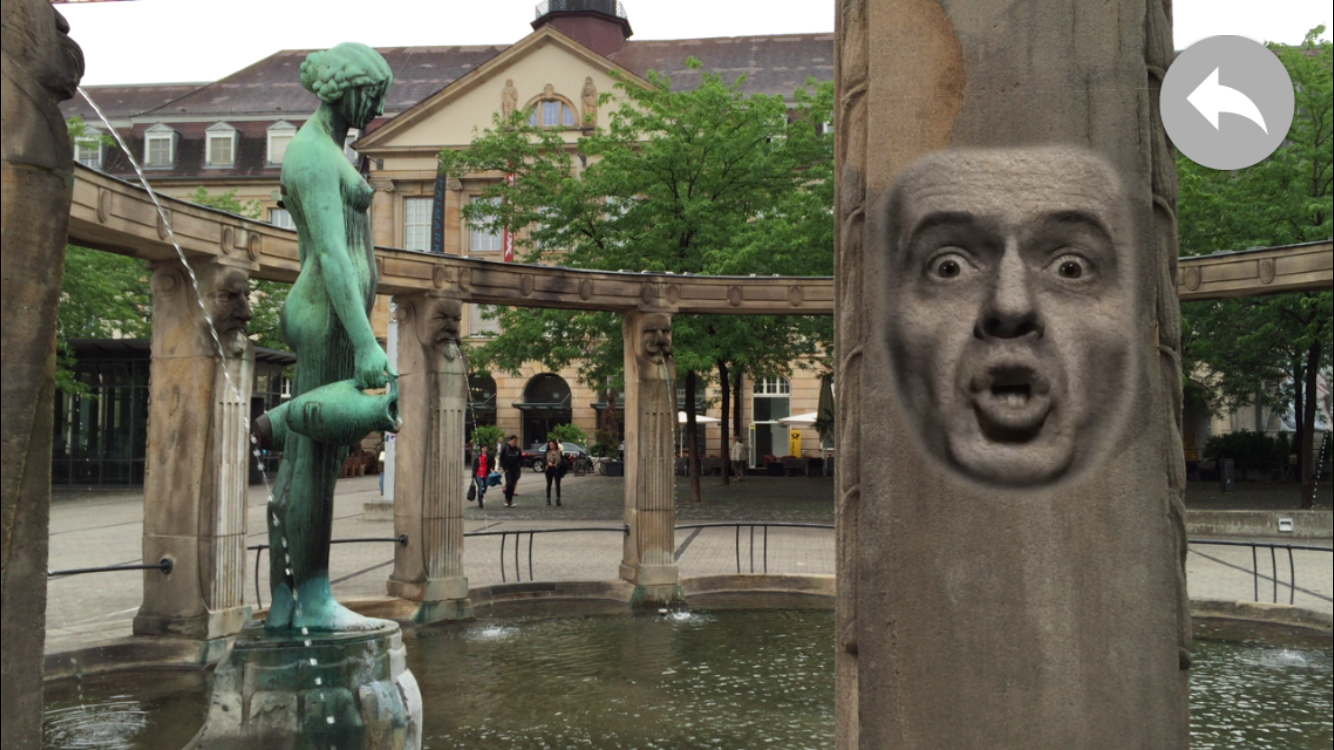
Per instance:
x=655, y=338
x=228, y=305
x=444, y=322
x=1011, y=318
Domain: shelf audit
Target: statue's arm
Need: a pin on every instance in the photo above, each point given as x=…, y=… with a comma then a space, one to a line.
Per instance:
x=322, y=205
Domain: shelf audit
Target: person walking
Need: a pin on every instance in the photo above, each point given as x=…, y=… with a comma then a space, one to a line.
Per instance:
x=481, y=469
x=511, y=462
x=738, y=457
x=555, y=462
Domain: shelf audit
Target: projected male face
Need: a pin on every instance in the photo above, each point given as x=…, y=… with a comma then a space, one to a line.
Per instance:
x=1011, y=318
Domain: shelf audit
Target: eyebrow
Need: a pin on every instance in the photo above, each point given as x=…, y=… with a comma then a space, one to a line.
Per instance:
x=1077, y=218
x=941, y=219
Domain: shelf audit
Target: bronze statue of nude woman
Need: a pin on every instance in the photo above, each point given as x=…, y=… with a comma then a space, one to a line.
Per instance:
x=326, y=323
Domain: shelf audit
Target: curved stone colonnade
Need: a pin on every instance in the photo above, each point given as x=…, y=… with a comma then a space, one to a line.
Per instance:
x=194, y=508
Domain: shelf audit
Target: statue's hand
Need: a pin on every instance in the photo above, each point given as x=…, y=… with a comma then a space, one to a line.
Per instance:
x=373, y=368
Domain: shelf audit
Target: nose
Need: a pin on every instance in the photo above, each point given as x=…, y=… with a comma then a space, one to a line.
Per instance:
x=243, y=310
x=1010, y=311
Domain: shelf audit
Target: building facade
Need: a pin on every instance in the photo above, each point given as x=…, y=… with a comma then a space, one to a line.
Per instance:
x=231, y=135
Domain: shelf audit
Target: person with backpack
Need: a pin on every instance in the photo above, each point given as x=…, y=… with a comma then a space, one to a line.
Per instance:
x=511, y=462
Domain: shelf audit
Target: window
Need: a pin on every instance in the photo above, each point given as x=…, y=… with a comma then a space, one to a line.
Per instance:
x=481, y=239
x=88, y=151
x=221, y=145
x=159, y=146
x=480, y=326
x=771, y=402
x=417, y=223
x=550, y=113
x=279, y=217
x=772, y=387
x=352, y=135
x=280, y=135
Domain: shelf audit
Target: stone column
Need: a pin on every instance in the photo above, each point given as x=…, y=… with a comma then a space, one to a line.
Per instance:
x=41, y=68
x=429, y=472
x=198, y=443
x=649, y=561
x=1010, y=536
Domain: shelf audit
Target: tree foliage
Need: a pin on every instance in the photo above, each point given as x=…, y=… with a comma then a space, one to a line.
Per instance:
x=1266, y=349
x=707, y=181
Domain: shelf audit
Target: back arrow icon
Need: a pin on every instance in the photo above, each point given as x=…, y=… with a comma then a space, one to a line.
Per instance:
x=1212, y=98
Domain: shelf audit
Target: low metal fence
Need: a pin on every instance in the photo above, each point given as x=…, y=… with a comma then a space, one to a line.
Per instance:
x=517, y=534
x=401, y=540
x=764, y=541
x=1273, y=548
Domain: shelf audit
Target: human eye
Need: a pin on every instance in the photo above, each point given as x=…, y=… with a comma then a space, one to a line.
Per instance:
x=949, y=265
x=1072, y=267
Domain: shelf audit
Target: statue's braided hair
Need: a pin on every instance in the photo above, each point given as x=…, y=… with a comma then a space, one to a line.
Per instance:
x=329, y=73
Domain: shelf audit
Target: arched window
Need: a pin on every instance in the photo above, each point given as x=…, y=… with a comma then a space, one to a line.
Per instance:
x=549, y=113
x=546, y=403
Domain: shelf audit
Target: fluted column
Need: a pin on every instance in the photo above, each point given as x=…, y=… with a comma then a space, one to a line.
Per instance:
x=198, y=441
x=429, y=471
x=650, y=418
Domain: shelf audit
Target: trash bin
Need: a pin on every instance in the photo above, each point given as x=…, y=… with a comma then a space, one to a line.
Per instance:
x=774, y=469
x=1227, y=474
x=615, y=468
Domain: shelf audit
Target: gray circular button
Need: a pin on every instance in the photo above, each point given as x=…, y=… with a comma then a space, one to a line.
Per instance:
x=1227, y=102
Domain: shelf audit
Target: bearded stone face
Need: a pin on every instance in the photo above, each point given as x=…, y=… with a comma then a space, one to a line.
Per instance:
x=1010, y=313
x=656, y=339
x=228, y=306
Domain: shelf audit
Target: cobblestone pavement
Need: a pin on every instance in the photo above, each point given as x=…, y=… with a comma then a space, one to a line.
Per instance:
x=105, y=528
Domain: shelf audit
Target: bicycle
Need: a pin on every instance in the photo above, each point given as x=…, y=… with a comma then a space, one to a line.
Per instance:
x=583, y=465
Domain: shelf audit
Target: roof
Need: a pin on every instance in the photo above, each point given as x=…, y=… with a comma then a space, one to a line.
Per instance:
x=121, y=102
x=775, y=65
x=272, y=86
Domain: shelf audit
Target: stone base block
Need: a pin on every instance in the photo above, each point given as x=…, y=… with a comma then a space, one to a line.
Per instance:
x=205, y=627
x=444, y=611
x=657, y=596
x=378, y=510
x=335, y=690
x=429, y=590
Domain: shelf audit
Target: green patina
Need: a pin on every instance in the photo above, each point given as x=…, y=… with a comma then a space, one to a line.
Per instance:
x=326, y=323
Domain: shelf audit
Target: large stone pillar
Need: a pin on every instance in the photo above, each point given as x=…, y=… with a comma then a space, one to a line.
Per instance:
x=429, y=472
x=649, y=561
x=198, y=443
x=1009, y=477
x=39, y=67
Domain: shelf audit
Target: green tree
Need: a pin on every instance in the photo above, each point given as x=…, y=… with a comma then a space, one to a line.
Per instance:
x=267, y=297
x=1267, y=349
x=705, y=181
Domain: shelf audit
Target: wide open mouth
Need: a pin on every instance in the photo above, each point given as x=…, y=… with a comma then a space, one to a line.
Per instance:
x=1011, y=402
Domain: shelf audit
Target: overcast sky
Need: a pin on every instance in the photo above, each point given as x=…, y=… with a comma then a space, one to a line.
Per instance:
x=150, y=41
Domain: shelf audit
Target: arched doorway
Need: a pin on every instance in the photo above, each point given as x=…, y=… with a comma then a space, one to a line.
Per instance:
x=546, y=403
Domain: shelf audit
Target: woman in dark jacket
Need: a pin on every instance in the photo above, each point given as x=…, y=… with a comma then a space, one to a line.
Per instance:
x=555, y=461
x=481, y=469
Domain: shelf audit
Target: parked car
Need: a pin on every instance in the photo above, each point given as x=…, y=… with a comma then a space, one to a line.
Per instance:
x=534, y=455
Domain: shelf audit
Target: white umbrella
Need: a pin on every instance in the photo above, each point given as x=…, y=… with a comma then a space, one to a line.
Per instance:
x=801, y=420
x=700, y=418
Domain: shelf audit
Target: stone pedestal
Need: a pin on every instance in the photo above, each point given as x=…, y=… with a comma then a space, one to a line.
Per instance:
x=198, y=444
x=323, y=690
x=649, y=560
x=429, y=472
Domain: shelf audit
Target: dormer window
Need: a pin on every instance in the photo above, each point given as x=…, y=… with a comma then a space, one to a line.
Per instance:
x=88, y=149
x=160, y=147
x=221, y=145
x=280, y=135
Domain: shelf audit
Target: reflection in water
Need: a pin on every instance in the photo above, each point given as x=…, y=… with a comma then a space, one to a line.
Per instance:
x=707, y=678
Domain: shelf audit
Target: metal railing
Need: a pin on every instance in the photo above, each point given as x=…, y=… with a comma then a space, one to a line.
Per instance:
x=1273, y=562
x=164, y=565
x=752, y=525
x=401, y=540
x=517, y=534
